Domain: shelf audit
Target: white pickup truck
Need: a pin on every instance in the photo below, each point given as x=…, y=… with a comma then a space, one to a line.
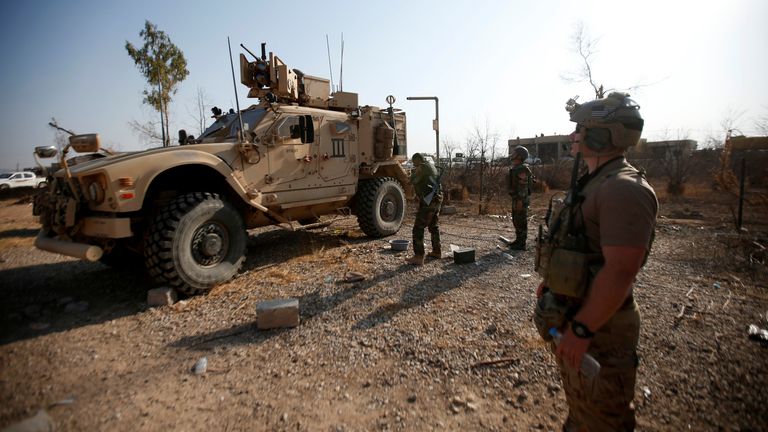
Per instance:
x=21, y=179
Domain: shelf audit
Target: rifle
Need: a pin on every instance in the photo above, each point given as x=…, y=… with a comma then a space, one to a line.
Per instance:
x=434, y=186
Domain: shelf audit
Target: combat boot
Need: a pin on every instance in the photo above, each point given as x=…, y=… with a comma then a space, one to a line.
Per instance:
x=436, y=253
x=416, y=260
x=517, y=245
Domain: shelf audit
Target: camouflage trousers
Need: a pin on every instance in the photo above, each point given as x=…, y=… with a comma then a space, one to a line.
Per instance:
x=427, y=217
x=520, y=221
x=605, y=402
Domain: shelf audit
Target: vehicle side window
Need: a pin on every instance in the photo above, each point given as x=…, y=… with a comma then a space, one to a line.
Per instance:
x=340, y=128
x=288, y=130
x=15, y=177
x=28, y=175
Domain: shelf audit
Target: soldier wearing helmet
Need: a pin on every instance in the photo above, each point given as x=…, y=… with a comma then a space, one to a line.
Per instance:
x=589, y=256
x=426, y=183
x=519, y=186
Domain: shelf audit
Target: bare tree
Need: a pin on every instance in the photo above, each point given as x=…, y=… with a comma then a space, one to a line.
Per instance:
x=761, y=124
x=586, y=48
x=725, y=176
x=148, y=132
x=486, y=142
x=200, y=110
x=677, y=163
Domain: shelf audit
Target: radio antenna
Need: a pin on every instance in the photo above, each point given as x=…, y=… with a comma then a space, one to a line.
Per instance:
x=241, y=135
x=341, y=67
x=328, y=47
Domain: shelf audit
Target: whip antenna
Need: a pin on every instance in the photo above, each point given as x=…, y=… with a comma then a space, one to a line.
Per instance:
x=341, y=67
x=328, y=47
x=241, y=136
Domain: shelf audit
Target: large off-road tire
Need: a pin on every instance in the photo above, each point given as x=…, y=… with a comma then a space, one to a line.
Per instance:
x=195, y=242
x=380, y=206
x=4, y=187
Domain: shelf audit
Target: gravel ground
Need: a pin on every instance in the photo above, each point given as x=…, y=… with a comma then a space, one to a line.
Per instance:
x=404, y=349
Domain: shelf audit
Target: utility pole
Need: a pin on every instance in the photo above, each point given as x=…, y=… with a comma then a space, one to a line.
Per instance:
x=435, y=122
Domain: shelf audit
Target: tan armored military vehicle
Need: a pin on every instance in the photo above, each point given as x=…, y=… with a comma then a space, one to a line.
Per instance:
x=300, y=153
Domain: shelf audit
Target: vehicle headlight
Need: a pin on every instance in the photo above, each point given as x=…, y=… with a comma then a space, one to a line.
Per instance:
x=96, y=192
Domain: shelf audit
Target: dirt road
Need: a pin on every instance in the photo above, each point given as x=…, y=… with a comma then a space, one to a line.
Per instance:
x=401, y=350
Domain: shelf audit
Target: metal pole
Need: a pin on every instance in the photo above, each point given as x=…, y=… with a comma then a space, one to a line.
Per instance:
x=435, y=123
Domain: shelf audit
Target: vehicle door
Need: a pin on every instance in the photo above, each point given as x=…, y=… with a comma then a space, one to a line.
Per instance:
x=29, y=179
x=16, y=180
x=338, y=152
x=289, y=159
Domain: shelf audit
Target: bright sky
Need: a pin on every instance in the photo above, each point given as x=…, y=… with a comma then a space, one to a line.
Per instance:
x=489, y=62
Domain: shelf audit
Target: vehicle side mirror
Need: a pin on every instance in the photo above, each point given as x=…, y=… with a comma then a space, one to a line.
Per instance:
x=307, y=128
x=46, y=151
x=88, y=143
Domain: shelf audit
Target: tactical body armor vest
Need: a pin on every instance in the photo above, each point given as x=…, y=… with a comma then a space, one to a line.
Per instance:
x=563, y=256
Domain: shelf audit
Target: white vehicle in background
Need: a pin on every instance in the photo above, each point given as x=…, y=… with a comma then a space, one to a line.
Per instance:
x=21, y=179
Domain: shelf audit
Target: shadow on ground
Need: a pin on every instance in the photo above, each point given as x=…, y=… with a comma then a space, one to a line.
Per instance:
x=49, y=298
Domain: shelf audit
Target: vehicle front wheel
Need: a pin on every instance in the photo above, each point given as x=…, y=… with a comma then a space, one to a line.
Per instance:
x=4, y=187
x=195, y=242
x=380, y=206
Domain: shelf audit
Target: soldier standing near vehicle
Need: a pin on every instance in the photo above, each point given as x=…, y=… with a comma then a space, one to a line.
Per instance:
x=519, y=185
x=426, y=183
x=595, y=246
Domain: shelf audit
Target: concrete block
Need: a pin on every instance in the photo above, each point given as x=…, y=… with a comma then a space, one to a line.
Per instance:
x=464, y=256
x=277, y=313
x=161, y=297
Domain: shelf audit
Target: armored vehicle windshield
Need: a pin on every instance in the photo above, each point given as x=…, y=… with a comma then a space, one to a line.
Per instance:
x=227, y=126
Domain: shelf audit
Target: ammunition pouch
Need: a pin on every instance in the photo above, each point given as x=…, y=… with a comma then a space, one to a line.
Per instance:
x=568, y=273
x=551, y=311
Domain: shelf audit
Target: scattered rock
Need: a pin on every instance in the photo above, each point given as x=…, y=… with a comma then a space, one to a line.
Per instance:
x=40, y=422
x=277, y=313
x=757, y=333
x=201, y=366
x=161, y=297
x=350, y=277
x=412, y=398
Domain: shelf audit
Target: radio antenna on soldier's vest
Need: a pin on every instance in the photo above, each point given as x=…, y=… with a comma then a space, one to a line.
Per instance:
x=330, y=68
x=241, y=135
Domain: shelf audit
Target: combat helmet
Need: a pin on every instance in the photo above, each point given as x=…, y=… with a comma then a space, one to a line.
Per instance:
x=519, y=152
x=417, y=157
x=613, y=120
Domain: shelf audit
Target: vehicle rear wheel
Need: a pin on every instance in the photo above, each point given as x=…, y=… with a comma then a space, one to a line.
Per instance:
x=195, y=242
x=380, y=206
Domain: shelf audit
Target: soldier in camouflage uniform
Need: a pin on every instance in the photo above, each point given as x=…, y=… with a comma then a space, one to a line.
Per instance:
x=589, y=257
x=426, y=183
x=520, y=177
